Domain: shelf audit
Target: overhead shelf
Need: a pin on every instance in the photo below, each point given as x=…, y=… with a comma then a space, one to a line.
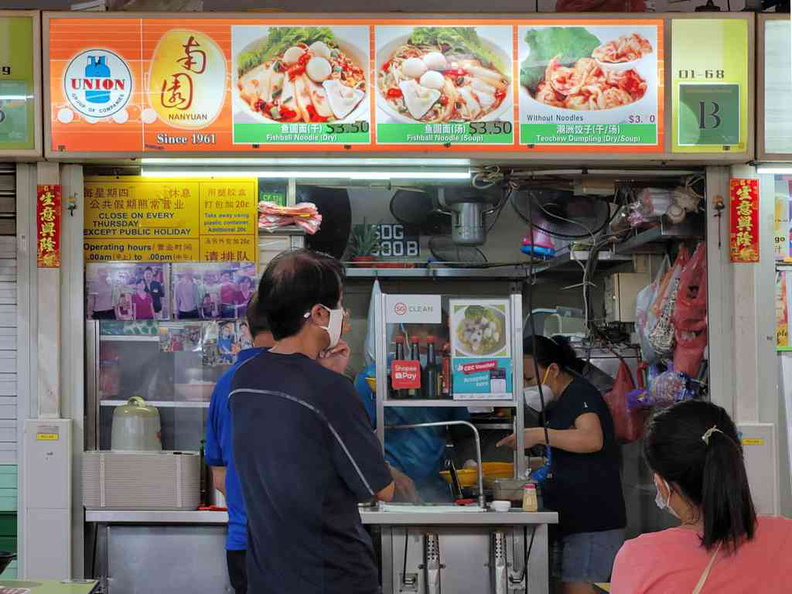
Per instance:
x=570, y=261
x=651, y=240
x=511, y=271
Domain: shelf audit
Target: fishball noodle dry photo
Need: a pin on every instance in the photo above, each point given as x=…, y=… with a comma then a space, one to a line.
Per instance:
x=567, y=68
x=444, y=74
x=300, y=74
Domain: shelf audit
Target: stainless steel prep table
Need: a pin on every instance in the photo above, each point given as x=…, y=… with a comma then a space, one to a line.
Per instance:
x=138, y=546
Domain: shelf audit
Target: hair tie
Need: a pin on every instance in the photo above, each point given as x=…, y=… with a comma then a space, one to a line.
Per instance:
x=708, y=433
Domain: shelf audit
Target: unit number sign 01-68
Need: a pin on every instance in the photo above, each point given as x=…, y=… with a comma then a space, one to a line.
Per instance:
x=393, y=243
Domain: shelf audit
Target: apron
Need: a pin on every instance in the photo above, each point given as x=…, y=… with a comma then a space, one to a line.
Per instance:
x=703, y=579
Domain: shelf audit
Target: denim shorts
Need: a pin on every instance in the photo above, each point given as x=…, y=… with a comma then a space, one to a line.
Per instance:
x=589, y=556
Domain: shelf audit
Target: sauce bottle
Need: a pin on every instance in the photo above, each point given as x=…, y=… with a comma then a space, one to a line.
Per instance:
x=530, y=501
x=398, y=394
x=415, y=355
x=445, y=389
x=432, y=375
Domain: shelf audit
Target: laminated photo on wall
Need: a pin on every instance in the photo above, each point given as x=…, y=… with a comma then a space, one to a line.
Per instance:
x=212, y=291
x=175, y=337
x=127, y=291
x=222, y=341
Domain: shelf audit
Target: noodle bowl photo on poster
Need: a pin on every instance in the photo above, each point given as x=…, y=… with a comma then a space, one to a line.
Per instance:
x=290, y=82
x=444, y=83
x=595, y=84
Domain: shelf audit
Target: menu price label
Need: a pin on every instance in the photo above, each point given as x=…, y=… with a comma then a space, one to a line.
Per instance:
x=710, y=85
x=150, y=220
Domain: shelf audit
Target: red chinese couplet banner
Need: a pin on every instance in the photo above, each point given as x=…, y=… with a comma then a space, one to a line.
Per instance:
x=48, y=224
x=744, y=220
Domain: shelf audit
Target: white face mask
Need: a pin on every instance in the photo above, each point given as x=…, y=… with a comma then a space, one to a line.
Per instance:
x=335, y=325
x=665, y=505
x=532, y=398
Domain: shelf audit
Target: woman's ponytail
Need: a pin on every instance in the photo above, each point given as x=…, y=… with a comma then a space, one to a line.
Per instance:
x=728, y=511
x=695, y=446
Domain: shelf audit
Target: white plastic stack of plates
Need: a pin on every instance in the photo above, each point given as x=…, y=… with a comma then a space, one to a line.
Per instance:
x=141, y=480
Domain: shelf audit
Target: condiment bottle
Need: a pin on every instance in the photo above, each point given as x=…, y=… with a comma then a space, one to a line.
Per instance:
x=432, y=375
x=399, y=357
x=415, y=355
x=530, y=499
x=446, y=372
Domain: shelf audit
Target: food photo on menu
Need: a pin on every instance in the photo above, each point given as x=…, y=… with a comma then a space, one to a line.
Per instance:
x=295, y=79
x=588, y=85
x=127, y=291
x=442, y=74
x=212, y=291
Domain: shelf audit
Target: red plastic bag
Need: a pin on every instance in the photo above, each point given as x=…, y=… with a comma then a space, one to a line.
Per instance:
x=628, y=424
x=690, y=315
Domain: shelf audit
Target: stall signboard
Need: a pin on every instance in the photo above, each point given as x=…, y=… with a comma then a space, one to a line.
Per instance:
x=167, y=220
x=710, y=110
x=744, y=220
x=777, y=87
x=597, y=87
x=18, y=35
x=132, y=85
x=480, y=349
x=48, y=226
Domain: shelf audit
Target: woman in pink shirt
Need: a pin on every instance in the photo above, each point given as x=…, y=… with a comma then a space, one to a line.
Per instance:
x=721, y=546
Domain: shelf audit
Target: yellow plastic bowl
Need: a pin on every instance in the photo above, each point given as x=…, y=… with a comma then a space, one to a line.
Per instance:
x=372, y=383
x=496, y=470
x=468, y=477
x=492, y=470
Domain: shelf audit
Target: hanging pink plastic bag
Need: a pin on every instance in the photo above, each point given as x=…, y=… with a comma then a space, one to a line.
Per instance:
x=627, y=424
x=690, y=314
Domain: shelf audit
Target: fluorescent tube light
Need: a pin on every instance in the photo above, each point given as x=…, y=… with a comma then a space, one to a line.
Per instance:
x=305, y=162
x=361, y=174
x=774, y=169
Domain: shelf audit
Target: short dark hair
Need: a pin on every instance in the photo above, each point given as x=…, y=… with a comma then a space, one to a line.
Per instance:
x=710, y=473
x=293, y=283
x=148, y=269
x=257, y=322
x=547, y=351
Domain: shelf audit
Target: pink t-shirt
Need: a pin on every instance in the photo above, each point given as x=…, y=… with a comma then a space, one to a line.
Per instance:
x=672, y=561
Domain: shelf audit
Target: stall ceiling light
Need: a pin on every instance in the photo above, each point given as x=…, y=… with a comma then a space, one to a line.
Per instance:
x=360, y=174
x=307, y=162
x=777, y=169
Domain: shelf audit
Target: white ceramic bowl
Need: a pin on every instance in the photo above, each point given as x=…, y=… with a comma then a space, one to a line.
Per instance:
x=361, y=112
x=500, y=506
x=385, y=53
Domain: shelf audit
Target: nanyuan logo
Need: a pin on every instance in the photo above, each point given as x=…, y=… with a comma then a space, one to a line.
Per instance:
x=97, y=83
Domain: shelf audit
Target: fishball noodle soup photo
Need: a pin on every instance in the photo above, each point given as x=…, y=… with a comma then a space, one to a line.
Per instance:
x=443, y=74
x=300, y=74
x=480, y=330
x=572, y=68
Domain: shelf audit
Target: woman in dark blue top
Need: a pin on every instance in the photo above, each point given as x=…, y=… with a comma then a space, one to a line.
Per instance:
x=585, y=484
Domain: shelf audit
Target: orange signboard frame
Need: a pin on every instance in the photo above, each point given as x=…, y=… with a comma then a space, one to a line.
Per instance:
x=129, y=52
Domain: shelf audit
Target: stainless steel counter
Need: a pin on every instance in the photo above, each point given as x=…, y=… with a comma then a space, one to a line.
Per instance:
x=373, y=517
x=134, y=546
